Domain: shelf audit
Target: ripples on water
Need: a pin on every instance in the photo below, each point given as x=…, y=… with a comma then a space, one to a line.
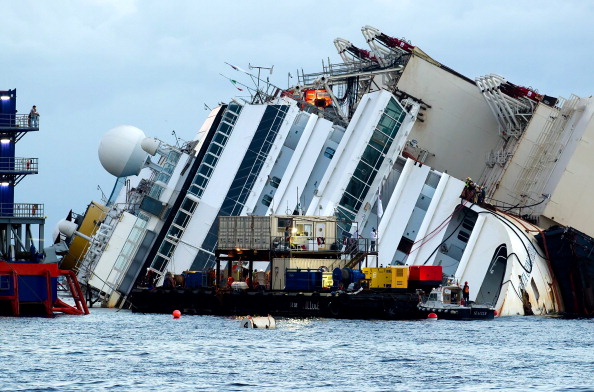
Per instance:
x=111, y=350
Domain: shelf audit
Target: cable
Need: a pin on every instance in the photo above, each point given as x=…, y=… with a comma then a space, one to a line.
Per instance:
x=447, y=238
x=441, y=226
x=513, y=287
x=514, y=231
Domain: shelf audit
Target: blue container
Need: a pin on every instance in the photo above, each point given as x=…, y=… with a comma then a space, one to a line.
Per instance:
x=195, y=279
x=31, y=288
x=303, y=280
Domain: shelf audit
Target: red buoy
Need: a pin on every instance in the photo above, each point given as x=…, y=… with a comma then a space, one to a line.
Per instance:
x=495, y=312
x=176, y=314
x=431, y=316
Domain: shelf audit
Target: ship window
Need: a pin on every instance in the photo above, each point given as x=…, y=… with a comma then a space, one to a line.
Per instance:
x=220, y=138
x=372, y=156
x=380, y=141
x=284, y=222
x=266, y=200
x=225, y=128
x=156, y=191
x=200, y=181
x=363, y=171
x=405, y=245
x=349, y=201
x=188, y=205
x=175, y=231
x=210, y=159
x=463, y=236
x=159, y=263
x=205, y=170
x=329, y=152
x=274, y=182
x=166, y=248
x=357, y=187
x=468, y=224
x=181, y=219
x=215, y=149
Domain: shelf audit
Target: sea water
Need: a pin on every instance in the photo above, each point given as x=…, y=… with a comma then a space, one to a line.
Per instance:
x=112, y=350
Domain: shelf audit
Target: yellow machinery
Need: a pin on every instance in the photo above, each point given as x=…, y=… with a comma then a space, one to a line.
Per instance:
x=395, y=277
x=399, y=277
x=379, y=278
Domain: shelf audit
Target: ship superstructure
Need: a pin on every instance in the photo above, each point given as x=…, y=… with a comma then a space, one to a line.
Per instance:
x=388, y=140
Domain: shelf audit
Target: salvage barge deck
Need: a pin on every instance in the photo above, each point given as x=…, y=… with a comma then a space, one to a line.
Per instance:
x=274, y=265
x=362, y=305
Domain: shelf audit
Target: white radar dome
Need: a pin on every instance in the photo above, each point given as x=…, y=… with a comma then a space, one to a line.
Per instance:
x=120, y=151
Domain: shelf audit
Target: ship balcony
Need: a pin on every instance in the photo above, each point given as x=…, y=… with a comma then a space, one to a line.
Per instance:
x=17, y=125
x=22, y=210
x=18, y=168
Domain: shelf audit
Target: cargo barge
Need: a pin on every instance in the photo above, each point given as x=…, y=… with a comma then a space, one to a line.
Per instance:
x=265, y=267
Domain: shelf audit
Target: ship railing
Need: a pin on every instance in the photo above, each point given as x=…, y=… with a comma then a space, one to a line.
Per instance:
x=19, y=165
x=8, y=121
x=22, y=210
x=347, y=246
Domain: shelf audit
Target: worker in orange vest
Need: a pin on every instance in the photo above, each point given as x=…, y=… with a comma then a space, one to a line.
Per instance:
x=466, y=293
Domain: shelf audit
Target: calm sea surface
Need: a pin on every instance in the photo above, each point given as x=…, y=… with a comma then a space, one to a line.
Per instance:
x=111, y=350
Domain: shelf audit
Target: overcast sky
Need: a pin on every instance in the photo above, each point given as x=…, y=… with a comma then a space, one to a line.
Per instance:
x=92, y=65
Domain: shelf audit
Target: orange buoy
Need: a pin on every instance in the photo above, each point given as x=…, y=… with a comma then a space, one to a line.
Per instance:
x=431, y=316
x=176, y=314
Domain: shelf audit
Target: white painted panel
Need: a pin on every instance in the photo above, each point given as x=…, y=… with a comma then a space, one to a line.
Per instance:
x=104, y=276
x=301, y=164
x=432, y=231
x=459, y=128
x=399, y=209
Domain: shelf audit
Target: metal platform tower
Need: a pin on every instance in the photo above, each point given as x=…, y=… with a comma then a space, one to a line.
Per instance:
x=18, y=221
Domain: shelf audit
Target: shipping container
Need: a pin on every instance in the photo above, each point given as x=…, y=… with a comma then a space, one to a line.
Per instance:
x=244, y=232
x=306, y=280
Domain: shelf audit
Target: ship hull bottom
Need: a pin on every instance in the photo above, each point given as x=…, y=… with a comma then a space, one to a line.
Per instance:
x=364, y=305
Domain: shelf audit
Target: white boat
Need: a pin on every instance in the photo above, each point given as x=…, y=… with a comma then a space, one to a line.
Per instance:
x=446, y=302
x=258, y=322
x=388, y=139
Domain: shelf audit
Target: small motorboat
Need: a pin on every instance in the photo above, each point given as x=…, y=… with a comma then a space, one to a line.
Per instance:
x=258, y=322
x=446, y=302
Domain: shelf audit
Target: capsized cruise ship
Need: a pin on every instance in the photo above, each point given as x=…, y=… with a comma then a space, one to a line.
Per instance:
x=464, y=173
